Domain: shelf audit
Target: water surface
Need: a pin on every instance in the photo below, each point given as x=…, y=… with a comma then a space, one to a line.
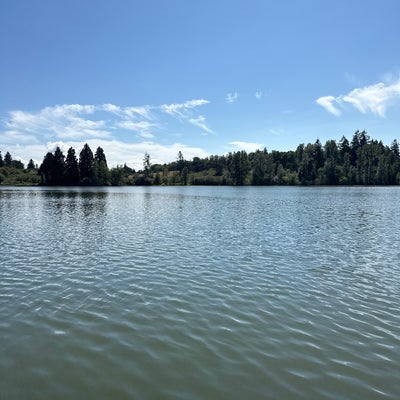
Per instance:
x=199, y=293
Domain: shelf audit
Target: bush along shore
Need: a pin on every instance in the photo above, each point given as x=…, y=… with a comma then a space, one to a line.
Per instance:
x=361, y=161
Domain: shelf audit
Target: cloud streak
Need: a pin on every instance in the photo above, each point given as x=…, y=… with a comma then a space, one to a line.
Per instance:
x=231, y=98
x=182, y=109
x=201, y=123
x=374, y=99
x=328, y=102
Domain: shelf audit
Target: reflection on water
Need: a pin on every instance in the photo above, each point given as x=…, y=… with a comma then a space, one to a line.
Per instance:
x=199, y=293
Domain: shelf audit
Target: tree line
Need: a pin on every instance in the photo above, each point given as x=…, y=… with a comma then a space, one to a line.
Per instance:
x=360, y=161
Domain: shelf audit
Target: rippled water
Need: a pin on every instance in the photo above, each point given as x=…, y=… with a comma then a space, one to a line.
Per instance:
x=200, y=293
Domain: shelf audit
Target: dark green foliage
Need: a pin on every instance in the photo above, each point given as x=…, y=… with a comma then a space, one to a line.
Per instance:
x=185, y=176
x=395, y=148
x=1, y=161
x=86, y=161
x=56, y=170
x=361, y=162
x=157, y=179
x=101, y=172
x=180, y=162
x=59, y=167
x=143, y=180
x=31, y=164
x=146, y=167
x=238, y=167
x=71, y=168
x=128, y=170
x=17, y=164
x=100, y=156
x=7, y=160
x=116, y=176
x=259, y=169
x=52, y=169
x=307, y=166
x=46, y=169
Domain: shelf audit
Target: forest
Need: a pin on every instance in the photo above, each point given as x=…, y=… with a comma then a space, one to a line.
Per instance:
x=360, y=161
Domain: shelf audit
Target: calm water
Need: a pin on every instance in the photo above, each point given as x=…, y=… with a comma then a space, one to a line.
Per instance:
x=200, y=293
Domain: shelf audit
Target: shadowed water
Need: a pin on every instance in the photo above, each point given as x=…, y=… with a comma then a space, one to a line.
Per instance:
x=200, y=293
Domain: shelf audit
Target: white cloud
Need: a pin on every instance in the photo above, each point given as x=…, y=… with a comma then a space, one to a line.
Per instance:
x=65, y=121
x=181, y=109
x=32, y=134
x=247, y=146
x=258, y=95
x=327, y=102
x=201, y=123
x=72, y=121
x=112, y=108
x=134, y=112
x=373, y=99
x=231, y=97
x=16, y=137
x=142, y=127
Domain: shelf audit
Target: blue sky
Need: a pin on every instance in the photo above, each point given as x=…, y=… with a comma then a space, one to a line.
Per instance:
x=204, y=77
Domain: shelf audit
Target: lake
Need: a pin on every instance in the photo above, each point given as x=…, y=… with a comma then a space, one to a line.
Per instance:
x=200, y=293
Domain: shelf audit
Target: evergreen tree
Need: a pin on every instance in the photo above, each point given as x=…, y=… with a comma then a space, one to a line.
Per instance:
x=1, y=161
x=7, y=160
x=394, y=147
x=31, y=165
x=58, y=167
x=239, y=167
x=307, y=168
x=299, y=154
x=71, y=168
x=101, y=171
x=259, y=168
x=318, y=155
x=344, y=148
x=46, y=169
x=146, y=164
x=100, y=156
x=363, y=138
x=17, y=164
x=355, y=145
x=180, y=162
x=86, y=161
x=330, y=171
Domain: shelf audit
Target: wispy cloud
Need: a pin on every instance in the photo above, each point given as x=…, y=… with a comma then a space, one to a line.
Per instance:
x=65, y=121
x=29, y=134
x=247, y=146
x=276, y=132
x=231, y=97
x=139, y=112
x=142, y=127
x=182, y=109
x=327, y=102
x=200, y=121
x=75, y=121
x=373, y=99
x=258, y=95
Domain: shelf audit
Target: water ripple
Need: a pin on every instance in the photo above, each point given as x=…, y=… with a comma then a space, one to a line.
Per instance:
x=198, y=293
